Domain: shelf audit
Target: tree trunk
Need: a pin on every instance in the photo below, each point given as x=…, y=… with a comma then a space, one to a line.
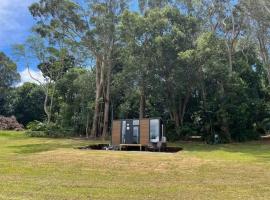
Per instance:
x=264, y=55
x=99, y=83
x=100, y=120
x=176, y=119
x=45, y=104
x=51, y=102
x=107, y=102
x=224, y=121
x=87, y=125
x=229, y=52
x=142, y=102
x=182, y=108
x=46, y=91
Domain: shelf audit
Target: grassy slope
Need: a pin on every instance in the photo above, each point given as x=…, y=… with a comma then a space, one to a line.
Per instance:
x=35, y=168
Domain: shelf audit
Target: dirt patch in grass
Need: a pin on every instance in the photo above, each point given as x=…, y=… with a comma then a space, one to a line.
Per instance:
x=94, y=147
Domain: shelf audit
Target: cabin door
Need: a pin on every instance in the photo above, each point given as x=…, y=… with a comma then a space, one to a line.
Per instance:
x=129, y=132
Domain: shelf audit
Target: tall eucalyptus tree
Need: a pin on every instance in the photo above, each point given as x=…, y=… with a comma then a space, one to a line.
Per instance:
x=91, y=25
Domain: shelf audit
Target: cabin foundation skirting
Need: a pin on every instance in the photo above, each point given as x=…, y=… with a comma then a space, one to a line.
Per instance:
x=130, y=145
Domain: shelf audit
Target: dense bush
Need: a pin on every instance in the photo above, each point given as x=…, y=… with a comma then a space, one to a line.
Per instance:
x=181, y=133
x=265, y=125
x=173, y=136
x=246, y=135
x=187, y=131
x=40, y=129
x=36, y=126
x=36, y=133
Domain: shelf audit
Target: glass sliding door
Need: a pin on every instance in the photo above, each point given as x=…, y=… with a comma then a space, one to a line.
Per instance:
x=123, y=132
x=154, y=130
x=135, y=134
x=130, y=132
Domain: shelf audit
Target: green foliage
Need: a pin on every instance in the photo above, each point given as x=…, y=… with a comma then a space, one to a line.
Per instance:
x=57, y=64
x=184, y=61
x=8, y=78
x=40, y=129
x=75, y=93
x=28, y=101
x=36, y=126
x=246, y=135
x=36, y=133
x=182, y=133
x=265, y=125
x=8, y=72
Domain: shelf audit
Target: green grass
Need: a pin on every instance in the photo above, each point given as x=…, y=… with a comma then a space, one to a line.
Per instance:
x=39, y=168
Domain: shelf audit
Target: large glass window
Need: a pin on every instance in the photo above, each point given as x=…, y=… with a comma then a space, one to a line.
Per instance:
x=154, y=129
x=123, y=131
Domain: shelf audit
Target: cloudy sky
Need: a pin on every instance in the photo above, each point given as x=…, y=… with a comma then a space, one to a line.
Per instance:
x=15, y=22
x=15, y=27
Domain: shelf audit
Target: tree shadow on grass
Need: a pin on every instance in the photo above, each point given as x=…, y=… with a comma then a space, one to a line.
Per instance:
x=37, y=148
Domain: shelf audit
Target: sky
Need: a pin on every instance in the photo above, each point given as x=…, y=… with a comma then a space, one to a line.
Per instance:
x=15, y=26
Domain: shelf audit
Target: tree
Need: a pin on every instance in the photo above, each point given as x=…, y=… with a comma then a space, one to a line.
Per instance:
x=53, y=63
x=75, y=92
x=152, y=49
x=27, y=102
x=202, y=65
x=9, y=77
x=145, y=5
x=92, y=25
x=59, y=62
x=139, y=45
x=258, y=23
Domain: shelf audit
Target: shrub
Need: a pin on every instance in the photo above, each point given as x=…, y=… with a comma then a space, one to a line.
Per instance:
x=246, y=135
x=36, y=133
x=265, y=124
x=40, y=129
x=55, y=130
x=36, y=126
x=187, y=131
x=173, y=136
x=181, y=133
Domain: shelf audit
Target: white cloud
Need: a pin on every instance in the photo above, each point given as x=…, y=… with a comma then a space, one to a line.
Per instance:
x=15, y=21
x=25, y=77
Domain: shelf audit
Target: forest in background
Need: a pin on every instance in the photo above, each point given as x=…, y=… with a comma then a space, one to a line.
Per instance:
x=201, y=65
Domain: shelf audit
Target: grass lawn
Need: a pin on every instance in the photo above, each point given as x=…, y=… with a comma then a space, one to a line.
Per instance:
x=38, y=168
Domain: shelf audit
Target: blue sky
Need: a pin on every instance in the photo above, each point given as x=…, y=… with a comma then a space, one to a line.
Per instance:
x=15, y=24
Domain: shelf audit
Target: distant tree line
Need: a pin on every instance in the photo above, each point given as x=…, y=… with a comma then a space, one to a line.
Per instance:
x=203, y=66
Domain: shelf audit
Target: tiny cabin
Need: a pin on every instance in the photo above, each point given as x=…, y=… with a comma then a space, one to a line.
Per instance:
x=137, y=131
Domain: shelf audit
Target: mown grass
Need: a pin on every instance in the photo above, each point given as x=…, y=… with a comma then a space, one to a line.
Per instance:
x=39, y=168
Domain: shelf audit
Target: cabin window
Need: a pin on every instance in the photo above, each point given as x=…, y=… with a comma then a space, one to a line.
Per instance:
x=123, y=131
x=154, y=128
x=136, y=122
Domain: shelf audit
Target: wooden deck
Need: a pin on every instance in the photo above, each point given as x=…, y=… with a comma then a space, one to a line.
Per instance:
x=130, y=145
